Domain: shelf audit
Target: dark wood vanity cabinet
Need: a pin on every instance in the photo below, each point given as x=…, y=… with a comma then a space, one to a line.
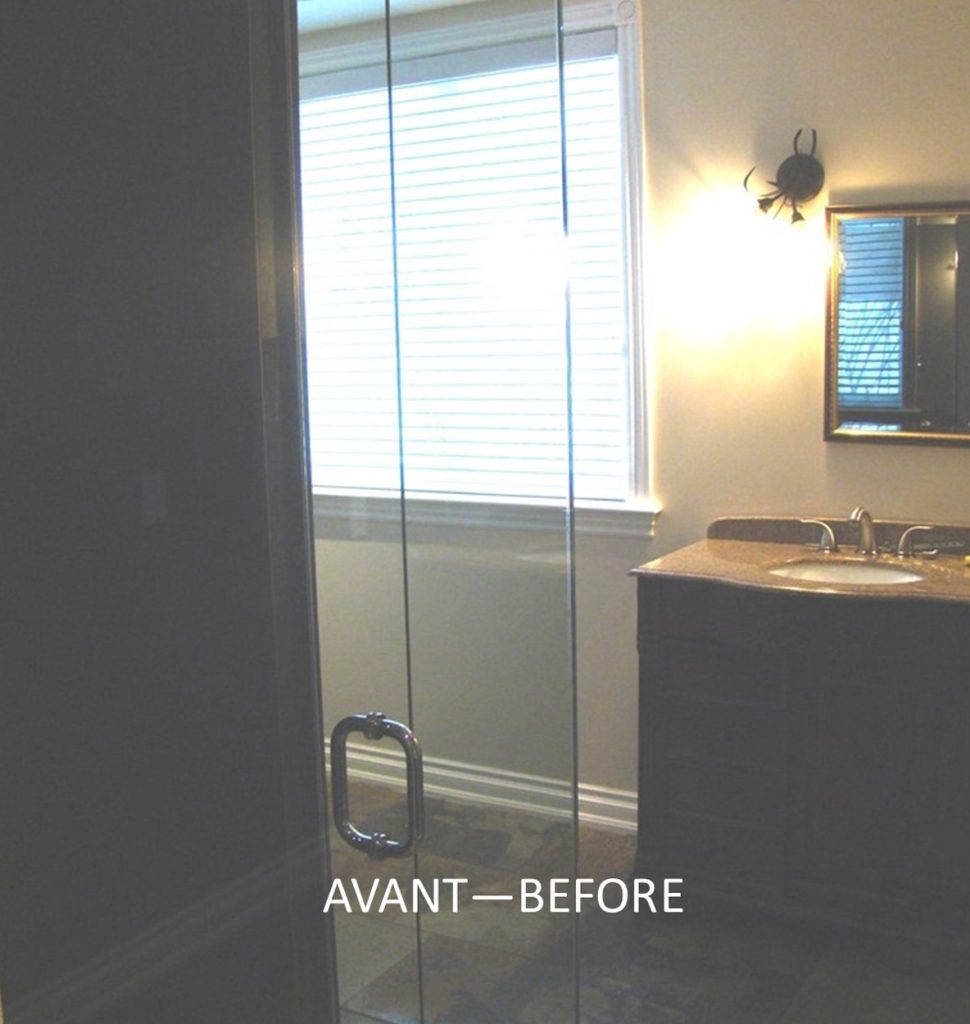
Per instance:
x=808, y=753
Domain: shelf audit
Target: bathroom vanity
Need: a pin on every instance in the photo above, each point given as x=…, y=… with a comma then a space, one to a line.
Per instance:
x=805, y=745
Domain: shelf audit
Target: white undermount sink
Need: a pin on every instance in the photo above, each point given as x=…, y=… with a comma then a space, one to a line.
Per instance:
x=858, y=572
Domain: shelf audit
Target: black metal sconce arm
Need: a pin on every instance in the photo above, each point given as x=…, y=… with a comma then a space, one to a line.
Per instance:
x=799, y=179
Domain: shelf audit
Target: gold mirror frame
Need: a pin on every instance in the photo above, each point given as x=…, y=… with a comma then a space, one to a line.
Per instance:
x=900, y=432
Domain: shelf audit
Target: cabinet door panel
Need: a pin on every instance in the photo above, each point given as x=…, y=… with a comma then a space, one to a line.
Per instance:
x=725, y=731
x=887, y=818
x=719, y=671
x=737, y=793
x=810, y=751
x=739, y=858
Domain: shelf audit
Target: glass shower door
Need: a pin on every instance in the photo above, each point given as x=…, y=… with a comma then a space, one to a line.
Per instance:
x=438, y=353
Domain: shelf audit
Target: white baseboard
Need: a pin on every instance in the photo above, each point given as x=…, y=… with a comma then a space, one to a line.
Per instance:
x=599, y=806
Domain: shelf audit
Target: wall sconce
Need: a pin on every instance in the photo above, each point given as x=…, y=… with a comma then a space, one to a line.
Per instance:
x=799, y=179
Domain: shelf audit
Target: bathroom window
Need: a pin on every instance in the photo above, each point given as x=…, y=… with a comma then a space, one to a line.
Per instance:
x=479, y=272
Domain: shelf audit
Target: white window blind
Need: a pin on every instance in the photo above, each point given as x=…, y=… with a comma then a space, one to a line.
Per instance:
x=480, y=261
x=871, y=292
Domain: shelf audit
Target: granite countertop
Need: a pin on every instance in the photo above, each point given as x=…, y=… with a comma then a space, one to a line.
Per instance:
x=746, y=563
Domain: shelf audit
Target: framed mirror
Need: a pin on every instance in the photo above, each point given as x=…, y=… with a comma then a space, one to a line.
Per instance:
x=898, y=324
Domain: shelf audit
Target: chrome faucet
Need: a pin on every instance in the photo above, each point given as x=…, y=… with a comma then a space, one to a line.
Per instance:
x=905, y=546
x=867, y=531
x=826, y=542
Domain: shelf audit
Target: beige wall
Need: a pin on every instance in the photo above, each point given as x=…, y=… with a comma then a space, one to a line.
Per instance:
x=737, y=325
x=737, y=307
x=489, y=628
x=738, y=396
x=736, y=304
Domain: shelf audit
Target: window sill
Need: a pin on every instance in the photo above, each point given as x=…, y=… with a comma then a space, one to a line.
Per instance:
x=602, y=519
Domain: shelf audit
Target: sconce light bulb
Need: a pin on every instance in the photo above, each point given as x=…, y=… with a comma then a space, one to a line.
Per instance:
x=766, y=203
x=796, y=217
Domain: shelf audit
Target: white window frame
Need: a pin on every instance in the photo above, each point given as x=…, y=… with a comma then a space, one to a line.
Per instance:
x=635, y=517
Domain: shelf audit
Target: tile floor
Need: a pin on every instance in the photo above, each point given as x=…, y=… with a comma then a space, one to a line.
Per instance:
x=491, y=964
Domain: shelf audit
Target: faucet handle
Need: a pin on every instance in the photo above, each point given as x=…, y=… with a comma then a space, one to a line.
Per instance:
x=826, y=541
x=904, y=549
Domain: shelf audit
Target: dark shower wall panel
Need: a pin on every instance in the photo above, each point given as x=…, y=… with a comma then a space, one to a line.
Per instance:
x=140, y=762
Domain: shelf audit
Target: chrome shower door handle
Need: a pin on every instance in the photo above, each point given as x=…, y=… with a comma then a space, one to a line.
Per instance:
x=375, y=726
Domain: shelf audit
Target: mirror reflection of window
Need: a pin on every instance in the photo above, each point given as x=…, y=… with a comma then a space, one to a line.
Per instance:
x=871, y=290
